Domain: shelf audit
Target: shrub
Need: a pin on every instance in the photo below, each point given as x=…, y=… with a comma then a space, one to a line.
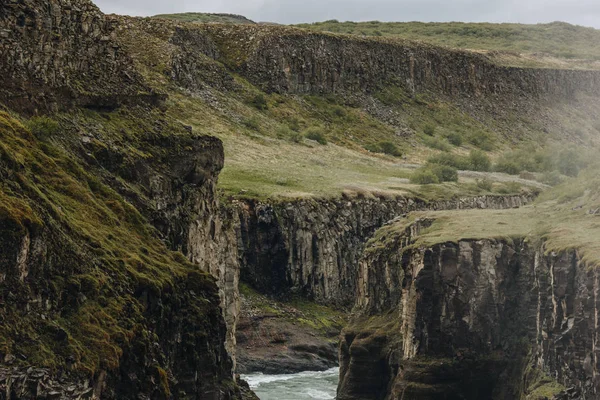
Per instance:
x=485, y=184
x=437, y=143
x=424, y=176
x=479, y=161
x=552, y=178
x=444, y=173
x=451, y=160
x=259, y=102
x=338, y=112
x=429, y=130
x=509, y=187
x=568, y=162
x=316, y=134
x=252, y=123
x=388, y=148
x=455, y=138
x=43, y=127
x=295, y=124
x=296, y=137
x=508, y=167
x=481, y=140
x=284, y=132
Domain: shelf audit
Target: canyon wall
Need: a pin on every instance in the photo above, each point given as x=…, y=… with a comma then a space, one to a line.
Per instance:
x=312, y=247
x=288, y=60
x=165, y=331
x=62, y=53
x=491, y=319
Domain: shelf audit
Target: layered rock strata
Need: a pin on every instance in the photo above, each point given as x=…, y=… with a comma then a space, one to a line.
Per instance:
x=476, y=319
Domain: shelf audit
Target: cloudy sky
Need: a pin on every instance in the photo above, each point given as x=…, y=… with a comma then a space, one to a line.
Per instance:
x=581, y=12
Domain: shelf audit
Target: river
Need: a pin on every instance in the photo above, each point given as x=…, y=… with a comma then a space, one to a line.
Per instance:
x=301, y=386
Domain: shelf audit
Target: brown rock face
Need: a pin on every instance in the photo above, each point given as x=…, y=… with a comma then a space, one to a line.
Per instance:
x=288, y=60
x=313, y=247
x=474, y=320
x=58, y=54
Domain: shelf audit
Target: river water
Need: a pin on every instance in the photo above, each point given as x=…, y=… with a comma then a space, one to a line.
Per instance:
x=301, y=386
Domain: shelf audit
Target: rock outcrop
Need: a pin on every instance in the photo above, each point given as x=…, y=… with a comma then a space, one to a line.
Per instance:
x=477, y=319
x=312, y=247
x=89, y=292
x=294, y=61
x=62, y=53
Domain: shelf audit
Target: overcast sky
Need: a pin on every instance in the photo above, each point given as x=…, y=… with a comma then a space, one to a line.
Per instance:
x=581, y=12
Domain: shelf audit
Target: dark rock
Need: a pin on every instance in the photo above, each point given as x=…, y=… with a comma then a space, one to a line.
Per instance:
x=474, y=320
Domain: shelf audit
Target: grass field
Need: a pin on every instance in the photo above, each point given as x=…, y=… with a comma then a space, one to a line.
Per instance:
x=203, y=18
x=557, y=39
x=566, y=217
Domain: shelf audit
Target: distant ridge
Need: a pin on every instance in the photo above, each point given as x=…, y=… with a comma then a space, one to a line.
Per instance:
x=557, y=39
x=204, y=18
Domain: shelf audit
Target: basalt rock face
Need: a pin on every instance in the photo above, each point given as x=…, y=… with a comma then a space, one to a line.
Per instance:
x=293, y=61
x=76, y=320
x=175, y=188
x=312, y=247
x=62, y=53
x=478, y=319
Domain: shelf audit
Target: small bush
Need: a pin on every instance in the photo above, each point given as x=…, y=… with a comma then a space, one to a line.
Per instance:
x=388, y=148
x=455, y=139
x=451, y=160
x=508, y=167
x=444, y=173
x=259, y=102
x=509, y=187
x=252, y=123
x=284, y=132
x=429, y=130
x=295, y=124
x=552, y=178
x=479, y=161
x=316, y=134
x=568, y=162
x=481, y=140
x=339, y=112
x=485, y=184
x=424, y=176
x=43, y=127
x=437, y=143
x=296, y=137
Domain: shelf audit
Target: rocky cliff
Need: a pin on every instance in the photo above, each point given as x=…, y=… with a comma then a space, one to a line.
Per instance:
x=58, y=54
x=286, y=60
x=493, y=319
x=98, y=200
x=312, y=247
x=92, y=298
x=290, y=60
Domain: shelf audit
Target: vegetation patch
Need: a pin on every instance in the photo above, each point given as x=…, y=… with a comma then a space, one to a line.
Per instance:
x=558, y=39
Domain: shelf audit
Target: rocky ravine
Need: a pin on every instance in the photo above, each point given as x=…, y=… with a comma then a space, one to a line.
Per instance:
x=93, y=302
x=312, y=249
x=477, y=319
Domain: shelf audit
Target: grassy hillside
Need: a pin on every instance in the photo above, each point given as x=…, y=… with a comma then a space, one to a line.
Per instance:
x=203, y=18
x=566, y=216
x=100, y=245
x=302, y=145
x=557, y=39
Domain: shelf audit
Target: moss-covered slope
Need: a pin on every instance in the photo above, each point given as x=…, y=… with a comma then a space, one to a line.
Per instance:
x=88, y=289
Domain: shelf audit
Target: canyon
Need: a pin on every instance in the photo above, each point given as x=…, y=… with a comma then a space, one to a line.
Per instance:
x=145, y=253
